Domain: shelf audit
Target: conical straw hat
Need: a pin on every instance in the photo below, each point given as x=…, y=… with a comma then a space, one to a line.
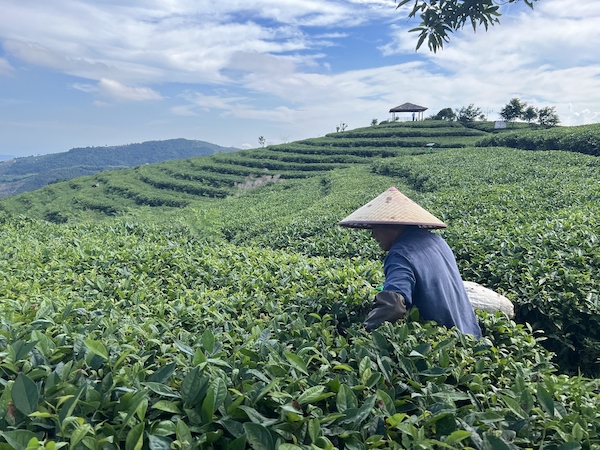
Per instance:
x=391, y=208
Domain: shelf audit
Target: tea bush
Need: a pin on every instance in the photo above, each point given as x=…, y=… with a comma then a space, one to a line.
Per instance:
x=130, y=335
x=534, y=239
x=235, y=322
x=581, y=139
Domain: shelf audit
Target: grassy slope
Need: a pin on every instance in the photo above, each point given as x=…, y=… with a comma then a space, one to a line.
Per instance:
x=184, y=182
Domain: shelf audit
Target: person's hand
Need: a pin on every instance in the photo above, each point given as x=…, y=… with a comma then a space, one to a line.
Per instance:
x=387, y=306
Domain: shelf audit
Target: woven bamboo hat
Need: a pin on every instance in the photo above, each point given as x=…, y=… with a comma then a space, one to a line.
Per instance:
x=391, y=207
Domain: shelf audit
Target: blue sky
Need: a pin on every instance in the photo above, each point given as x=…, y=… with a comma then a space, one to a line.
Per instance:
x=78, y=73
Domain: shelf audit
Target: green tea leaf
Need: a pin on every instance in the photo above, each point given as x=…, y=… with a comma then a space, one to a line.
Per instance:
x=44, y=343
x=194, y=386
x=257, y=417
x=258, y=436
x=297, y=362
x=70, y=404
x=79, y=433
x=578, y=432
x=346, y=399
x=314, y=429
x=364, y=366
x=164, y=428
x=162, y=374
x=492, y=442
x=219, y=387
x=387, y=403
x=184, y=347
x=25, y=394
x=208, y=406
x=569, y=446
x=199, y=357
x=514, y=406
x=208, y=341
x=161, y=389
x=457, y=436
x=131, y=402
x=18, y=439
x=164, y=405
x=96, y=347
x=314, y=394
x=183, y=433
x=365, y=409
x=237, y=444
x=135, y=437
x=20, y=349
x=545, y=400
x=345, y=367
x=159, y=442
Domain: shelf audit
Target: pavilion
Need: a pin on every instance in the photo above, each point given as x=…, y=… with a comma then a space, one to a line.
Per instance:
x=408, y=107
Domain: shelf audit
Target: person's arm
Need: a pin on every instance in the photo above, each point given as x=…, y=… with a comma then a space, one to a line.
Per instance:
x=387, y=306
x=393, y=301
x=399, y=277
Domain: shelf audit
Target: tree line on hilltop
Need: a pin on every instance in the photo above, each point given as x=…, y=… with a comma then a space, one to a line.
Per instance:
x=515, y=109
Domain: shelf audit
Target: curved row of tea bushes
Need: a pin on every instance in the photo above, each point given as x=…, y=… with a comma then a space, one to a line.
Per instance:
x=525, y=224
x=131, y=335
x=157, y=186
x=581, y=139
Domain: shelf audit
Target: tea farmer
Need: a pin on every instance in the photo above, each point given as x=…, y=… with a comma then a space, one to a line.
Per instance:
x=420, y=269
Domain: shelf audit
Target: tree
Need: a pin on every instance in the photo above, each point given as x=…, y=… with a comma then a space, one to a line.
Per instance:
x=547, y=117
x=445, y=114
x=261, y=141
x=374, y=122
x=469, y=114
x=440, y=18
x=513, y=110
x=530, y=114
x=341, y=127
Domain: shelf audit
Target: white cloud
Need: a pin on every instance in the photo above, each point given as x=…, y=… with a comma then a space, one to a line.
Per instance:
x=262, y=63
x=303, y=66
x=85, y=87
x=183, y=110
x=5, y=67
x=211, y=102
x=167, y=40
x=120, y=92
x=34, y=53
x=278, y=114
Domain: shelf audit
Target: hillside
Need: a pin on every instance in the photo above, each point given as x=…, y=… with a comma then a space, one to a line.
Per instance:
x=234, y=322
x=33, y=172
x=180, y=183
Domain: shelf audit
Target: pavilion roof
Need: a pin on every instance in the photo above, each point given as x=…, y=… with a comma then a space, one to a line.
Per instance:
x=408, y=107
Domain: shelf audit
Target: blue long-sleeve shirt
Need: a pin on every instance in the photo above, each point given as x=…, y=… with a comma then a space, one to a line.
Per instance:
x=421, y=267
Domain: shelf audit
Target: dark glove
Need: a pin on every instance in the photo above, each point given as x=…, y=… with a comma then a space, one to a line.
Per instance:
x=387, y=306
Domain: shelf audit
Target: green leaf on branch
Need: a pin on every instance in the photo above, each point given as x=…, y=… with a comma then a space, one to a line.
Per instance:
x=96, y=347
x=25, y=394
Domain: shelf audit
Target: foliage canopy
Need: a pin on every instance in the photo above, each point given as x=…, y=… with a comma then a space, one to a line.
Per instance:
x=440, y=18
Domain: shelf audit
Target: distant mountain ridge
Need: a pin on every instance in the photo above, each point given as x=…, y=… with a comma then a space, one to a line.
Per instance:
x=33, y=172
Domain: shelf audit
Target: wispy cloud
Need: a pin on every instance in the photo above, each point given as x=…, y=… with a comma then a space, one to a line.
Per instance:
x=303, y=65
x=5, y=67
x=120, y=92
